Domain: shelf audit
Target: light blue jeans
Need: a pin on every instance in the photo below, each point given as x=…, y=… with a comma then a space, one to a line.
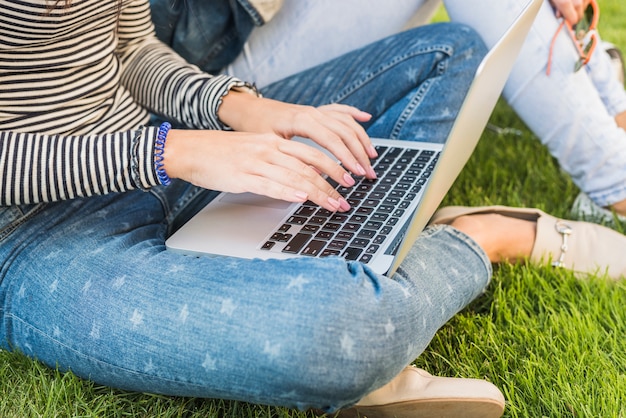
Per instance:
x=87, y=285
x=571, y=113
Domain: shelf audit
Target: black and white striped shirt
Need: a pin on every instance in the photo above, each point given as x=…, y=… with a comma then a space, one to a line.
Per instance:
x=76, y=88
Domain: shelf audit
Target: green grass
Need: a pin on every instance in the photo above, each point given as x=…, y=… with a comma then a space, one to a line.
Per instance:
x=554, y=344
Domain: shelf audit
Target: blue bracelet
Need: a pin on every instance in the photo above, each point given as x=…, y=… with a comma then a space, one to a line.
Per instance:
x=159, y=148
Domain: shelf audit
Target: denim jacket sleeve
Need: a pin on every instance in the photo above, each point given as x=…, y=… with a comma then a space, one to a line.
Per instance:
x=209, y=33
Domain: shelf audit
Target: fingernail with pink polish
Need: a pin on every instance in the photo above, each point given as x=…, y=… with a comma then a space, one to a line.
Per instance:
x=344, y=205
x=334, y=203
x=349, y=179
x=360, y=170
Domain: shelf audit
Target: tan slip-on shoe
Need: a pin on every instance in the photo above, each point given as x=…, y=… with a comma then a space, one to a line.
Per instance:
x=415, y=393
x=583, y=247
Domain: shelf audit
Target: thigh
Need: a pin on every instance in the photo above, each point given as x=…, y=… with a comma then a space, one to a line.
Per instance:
x=90, y=288
x=306, y=33
x=412, y=83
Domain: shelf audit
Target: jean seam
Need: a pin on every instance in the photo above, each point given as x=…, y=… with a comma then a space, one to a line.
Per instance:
x=419, y=95
x=8, y=229
x=171, y=212
x=408, y=110
x=357, y=84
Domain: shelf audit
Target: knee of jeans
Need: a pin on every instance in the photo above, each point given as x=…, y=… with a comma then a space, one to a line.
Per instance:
x=348, y=353
x=346, y=383
x=349, y=382
x=470, y=40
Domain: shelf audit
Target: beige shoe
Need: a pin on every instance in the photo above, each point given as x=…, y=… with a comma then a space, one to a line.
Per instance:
x=583, y=247
x=415, y=393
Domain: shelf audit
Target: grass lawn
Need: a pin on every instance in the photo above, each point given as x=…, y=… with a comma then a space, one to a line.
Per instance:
x=554, y=344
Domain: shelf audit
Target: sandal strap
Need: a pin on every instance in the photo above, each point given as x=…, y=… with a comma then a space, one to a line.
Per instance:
x=565, y=230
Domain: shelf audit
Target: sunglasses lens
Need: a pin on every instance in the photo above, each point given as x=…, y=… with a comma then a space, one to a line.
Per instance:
x=589, y=14
x=589, y=45
x=584, y=25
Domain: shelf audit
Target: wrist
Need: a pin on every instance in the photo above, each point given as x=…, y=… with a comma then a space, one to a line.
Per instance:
x=159, y=150
x=173, y=154
x=234, y=111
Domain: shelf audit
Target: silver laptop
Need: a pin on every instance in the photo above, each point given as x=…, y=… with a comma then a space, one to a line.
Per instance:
x=387, y=214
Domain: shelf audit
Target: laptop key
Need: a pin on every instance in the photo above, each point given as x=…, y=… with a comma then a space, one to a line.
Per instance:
x=296, y=220
x=337, y=245
x=351, y=227
x=313, y=248
x=310, y=228
x=359, y=242
x=379, y=239
x=326, y=235
x=345, y=236
x=268, y=245
x=329, y=253
x=278, y=237
x=352, y=253
x=297, y=243
x=366, y=233
x=372, y=249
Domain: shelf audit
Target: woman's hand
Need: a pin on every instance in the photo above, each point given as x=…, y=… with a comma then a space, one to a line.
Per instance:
x=264, y=164
x=335, y=127
x=570, y=10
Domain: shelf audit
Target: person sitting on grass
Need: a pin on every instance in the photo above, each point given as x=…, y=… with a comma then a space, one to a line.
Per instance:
x=90, y=191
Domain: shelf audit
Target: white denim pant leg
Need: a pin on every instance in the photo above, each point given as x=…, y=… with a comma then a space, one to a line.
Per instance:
x=306, y=33
x=611, y=90
x=571, y=113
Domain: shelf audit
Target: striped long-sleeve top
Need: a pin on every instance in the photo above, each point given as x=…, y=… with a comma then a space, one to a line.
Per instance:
x=76, y=87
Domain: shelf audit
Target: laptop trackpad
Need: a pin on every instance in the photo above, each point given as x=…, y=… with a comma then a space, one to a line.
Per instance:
x=252, y=199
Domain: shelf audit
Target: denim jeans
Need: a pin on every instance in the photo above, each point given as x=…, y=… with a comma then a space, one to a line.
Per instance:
x=577, y=109
x=208, y=34
x=88, y=286
x=576, y=120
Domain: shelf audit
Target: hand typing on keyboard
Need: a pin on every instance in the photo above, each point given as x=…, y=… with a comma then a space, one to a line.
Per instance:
x=377, y=207
x=260, y=158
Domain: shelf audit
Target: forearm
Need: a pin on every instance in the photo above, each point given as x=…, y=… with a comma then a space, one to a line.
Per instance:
x=45, y=168
x=160, y=80
x=163, y=83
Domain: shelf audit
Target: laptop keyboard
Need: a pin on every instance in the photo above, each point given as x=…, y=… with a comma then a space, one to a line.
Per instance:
x=377, y=207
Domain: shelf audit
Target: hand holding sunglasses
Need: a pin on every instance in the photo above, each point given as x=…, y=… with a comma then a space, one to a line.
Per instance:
x=583, y=35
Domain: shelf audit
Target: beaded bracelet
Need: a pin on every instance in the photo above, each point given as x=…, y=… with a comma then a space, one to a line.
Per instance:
x=159, y=148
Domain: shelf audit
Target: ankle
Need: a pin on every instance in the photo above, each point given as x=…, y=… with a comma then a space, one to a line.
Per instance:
x=621, y=120
x=502, y=238
x=619, y=207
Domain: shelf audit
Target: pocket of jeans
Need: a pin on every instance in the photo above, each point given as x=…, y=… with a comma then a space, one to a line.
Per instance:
x=11, y=217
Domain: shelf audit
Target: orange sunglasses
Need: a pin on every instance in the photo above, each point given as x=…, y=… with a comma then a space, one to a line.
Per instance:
x=583, y=35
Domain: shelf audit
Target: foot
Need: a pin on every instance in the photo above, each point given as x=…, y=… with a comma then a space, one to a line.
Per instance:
x=415, y=393
x=620, y=119
x=501, y=237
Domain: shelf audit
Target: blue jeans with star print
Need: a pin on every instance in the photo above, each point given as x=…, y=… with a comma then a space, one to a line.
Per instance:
x=88, y=286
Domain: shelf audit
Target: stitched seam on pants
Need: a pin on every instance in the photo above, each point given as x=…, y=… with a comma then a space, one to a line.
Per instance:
x=357, y=84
